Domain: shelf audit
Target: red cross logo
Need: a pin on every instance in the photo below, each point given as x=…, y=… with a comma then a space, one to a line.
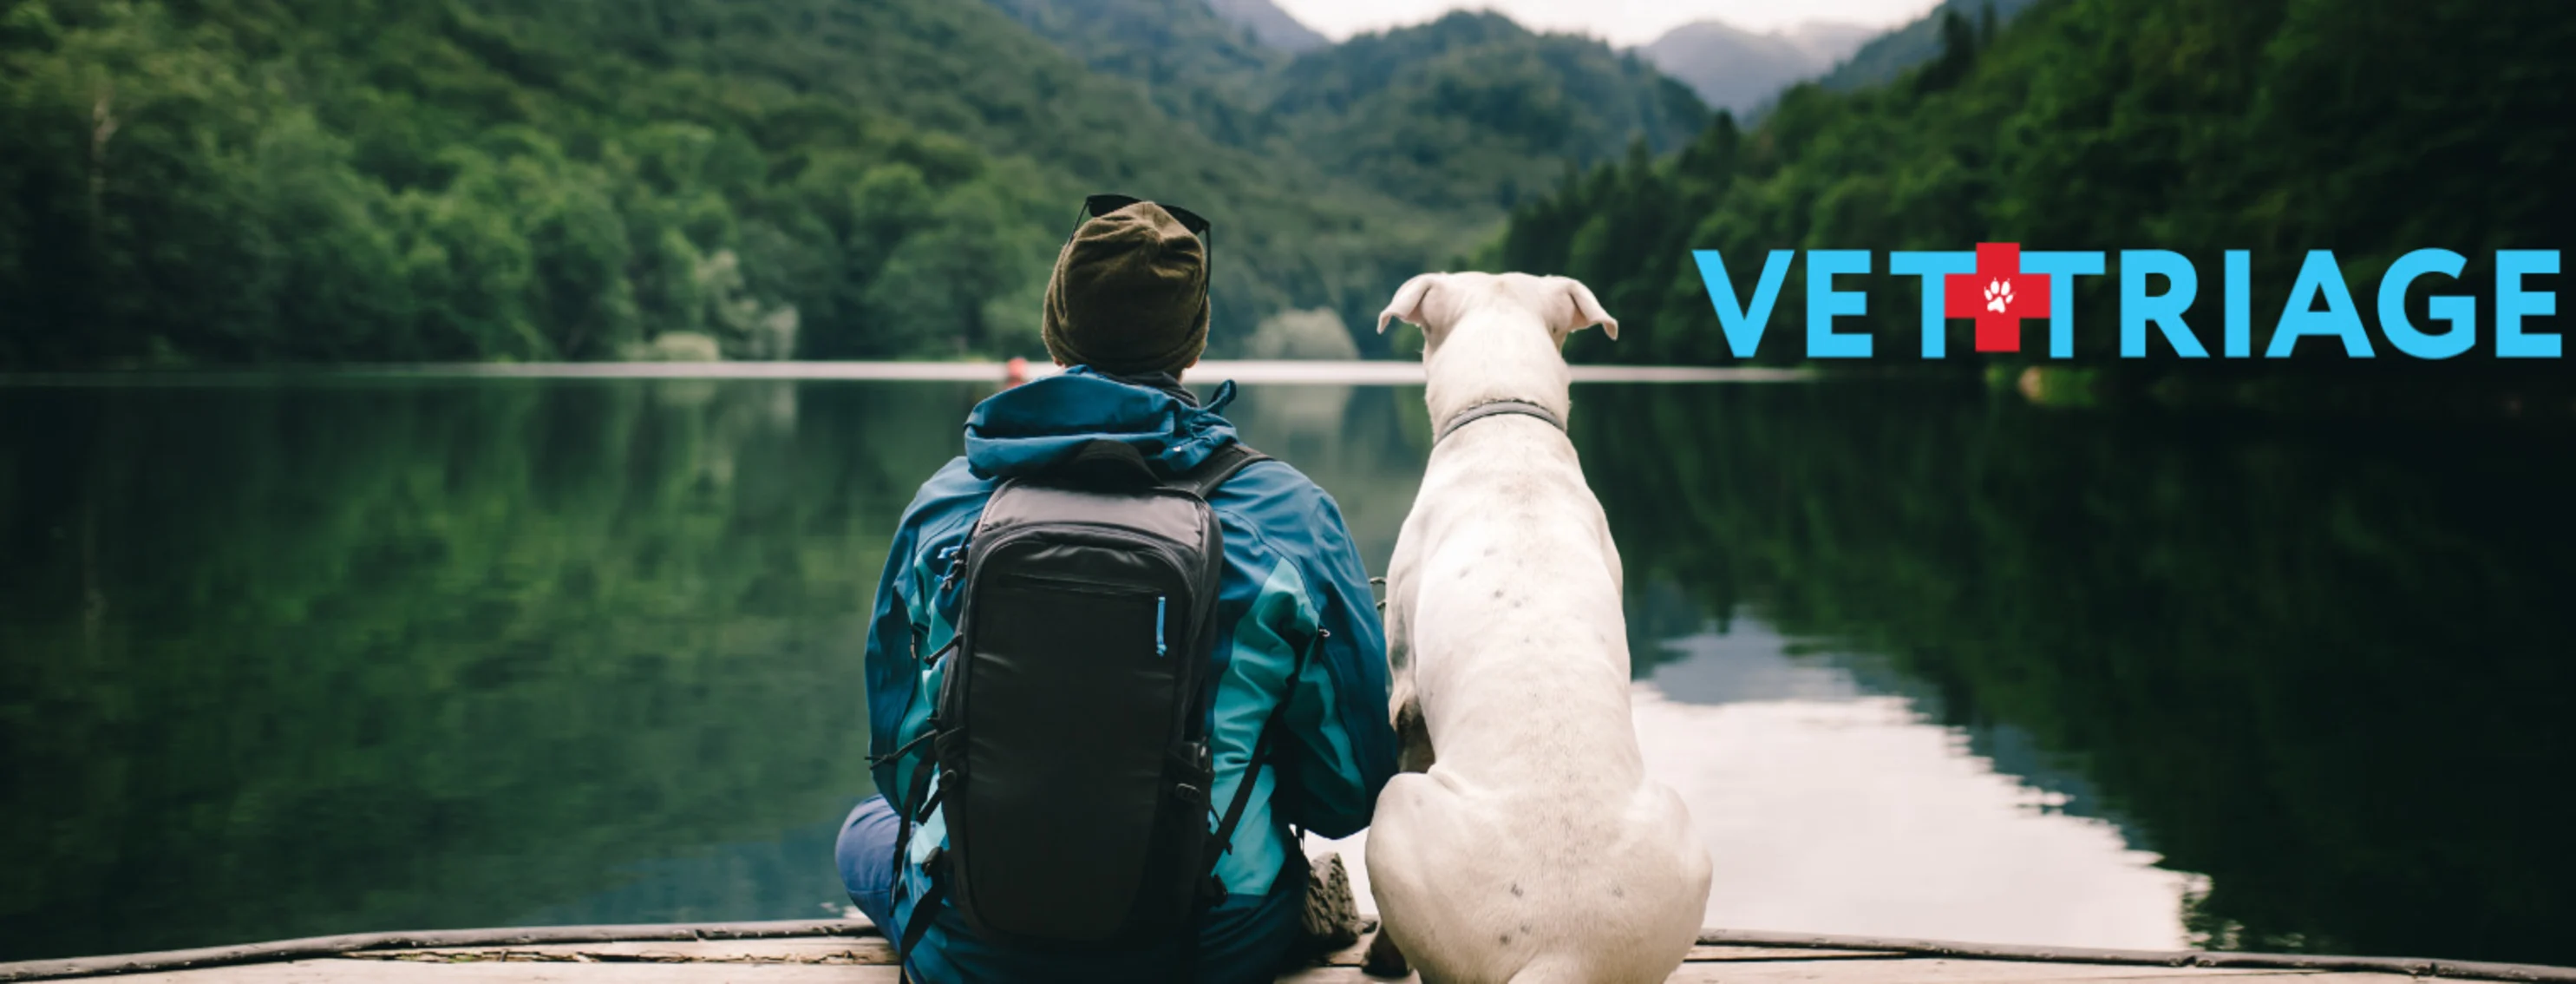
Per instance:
x=1999, y=296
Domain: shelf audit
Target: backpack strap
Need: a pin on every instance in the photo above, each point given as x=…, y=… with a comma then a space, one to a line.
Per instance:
x=1219, y=465
x=914, y=801
x=1222, y=840
x=1204, y=481
x=926, y=907
x=925, y=910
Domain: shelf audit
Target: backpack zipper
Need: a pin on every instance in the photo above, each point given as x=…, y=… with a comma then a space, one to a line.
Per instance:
x=1171, y=558
x=1079, y=586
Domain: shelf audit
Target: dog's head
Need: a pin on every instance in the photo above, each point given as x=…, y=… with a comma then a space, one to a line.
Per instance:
x=1438, y=301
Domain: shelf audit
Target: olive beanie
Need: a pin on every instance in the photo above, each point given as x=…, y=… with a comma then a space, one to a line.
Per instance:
x=1129, y=294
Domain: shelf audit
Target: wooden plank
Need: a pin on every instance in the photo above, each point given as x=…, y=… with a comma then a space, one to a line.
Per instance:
x=1868, y=967
x=1705, y=953
x=327, y=947
x=550, y=952
x=1350, y=956
x=338, y=971
x=1943, y=971
x=822, y=949
x=1869, y=972
x=1343, y=975
x=1353, y=956
x=633, y=971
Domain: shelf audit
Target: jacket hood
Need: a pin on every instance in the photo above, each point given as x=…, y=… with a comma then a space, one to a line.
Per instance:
x=1029, y=427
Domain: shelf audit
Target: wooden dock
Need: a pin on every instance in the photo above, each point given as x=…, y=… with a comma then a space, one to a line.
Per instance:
x=851, y=952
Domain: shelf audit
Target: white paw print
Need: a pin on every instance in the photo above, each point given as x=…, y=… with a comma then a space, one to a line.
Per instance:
x=1998, y=296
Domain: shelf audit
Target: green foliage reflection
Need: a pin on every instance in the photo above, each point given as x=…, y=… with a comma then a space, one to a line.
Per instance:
x=287, y=662
x=2320, y=663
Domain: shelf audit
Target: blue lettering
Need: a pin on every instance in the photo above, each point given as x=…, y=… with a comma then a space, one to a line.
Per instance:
x=1932, y=267
x=2138, y=310
x=2240, y=303
x=1743, y=323
x=2062, y=267
x=1824, y=303
x=2319, y=276
x=2514, y=304
x=2461, y=312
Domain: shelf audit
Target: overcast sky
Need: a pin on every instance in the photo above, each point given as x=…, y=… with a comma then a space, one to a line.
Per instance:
x=1622, y=22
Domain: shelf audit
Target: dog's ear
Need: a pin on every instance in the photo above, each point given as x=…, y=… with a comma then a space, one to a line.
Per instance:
x=1587, y=310
x=1408, y=301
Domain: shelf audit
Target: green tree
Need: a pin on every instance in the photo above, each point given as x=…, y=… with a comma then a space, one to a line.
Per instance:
x=2370, y=128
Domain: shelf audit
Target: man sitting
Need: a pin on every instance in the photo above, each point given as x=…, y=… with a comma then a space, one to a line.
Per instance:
x=1298, y=653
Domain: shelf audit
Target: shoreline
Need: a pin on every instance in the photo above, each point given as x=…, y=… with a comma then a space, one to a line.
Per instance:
x=1380, y=372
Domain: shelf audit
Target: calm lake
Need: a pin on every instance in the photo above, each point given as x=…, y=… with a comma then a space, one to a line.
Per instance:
x=281, y=660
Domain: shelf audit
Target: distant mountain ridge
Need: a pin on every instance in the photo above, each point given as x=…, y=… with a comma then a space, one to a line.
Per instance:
x=814, y=178
x=1463, y=116
x=1890, y=54
x=1735, y=69
x=1270, y=25
x=490, y=180
x=1473, y=113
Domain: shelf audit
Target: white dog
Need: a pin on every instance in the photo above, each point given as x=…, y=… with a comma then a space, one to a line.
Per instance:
x=1530, y=847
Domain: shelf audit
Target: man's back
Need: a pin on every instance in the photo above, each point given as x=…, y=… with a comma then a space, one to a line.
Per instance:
x=1292, y=587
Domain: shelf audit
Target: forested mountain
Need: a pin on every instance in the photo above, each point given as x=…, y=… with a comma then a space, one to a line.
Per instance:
x=2369, y=127
x=1472, y=112
x=230, y=181
x=1738, y=70
x=1196, y=65
x=1889, y=55
x=240, y=180
x=1465, y=115
x=1269, y=24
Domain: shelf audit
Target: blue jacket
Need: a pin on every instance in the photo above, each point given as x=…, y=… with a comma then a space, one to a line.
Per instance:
x=1292, y=573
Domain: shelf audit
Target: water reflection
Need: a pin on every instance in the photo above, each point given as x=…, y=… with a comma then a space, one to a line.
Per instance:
x=1827, y=802
x=774, y=877
x=326, y=659
x=1828, y=805
x=2323, y=662
x=1362, y=444
x=1745, y=663
x=295, y=659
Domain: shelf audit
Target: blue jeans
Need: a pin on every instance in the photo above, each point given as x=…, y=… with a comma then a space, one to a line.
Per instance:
x=1243, y=940
x=865, y=854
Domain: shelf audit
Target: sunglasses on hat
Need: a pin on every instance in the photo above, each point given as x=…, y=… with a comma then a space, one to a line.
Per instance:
x=1095, y=206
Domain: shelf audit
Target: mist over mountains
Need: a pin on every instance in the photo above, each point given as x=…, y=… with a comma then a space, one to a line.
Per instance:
x=1269, y=24
x=1738, y=70
x=1890, y=54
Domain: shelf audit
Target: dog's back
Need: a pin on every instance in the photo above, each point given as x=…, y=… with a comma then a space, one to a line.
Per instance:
x=1534, y=848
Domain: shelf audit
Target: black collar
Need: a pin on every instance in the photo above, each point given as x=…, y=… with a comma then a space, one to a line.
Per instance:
x=1498, y=408
x=1163, y=381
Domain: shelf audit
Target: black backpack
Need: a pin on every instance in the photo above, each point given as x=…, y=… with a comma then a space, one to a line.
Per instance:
x=1070, y=731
